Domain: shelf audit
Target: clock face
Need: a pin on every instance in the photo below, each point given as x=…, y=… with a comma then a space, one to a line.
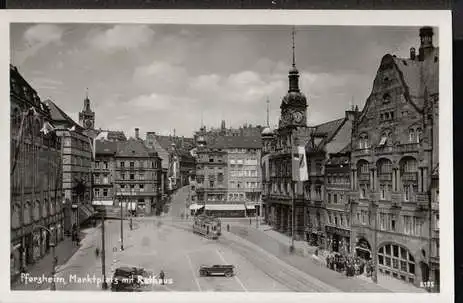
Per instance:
x=88, y=123
x=298, y=117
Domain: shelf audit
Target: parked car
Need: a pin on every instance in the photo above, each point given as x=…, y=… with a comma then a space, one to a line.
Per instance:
x=217, y=270
x=128, y=279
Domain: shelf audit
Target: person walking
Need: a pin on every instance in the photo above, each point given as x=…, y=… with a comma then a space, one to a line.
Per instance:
x=97, y=252
x=161, y=276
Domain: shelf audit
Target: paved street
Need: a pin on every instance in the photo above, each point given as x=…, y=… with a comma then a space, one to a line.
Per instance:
x=167, y=243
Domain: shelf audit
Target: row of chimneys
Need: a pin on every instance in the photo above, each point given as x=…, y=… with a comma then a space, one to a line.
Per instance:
x=426, y=45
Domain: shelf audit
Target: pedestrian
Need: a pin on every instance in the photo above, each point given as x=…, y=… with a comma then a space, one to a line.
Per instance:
x=97, y=252
x=250, y=221
x=161, y=276
x=228, y=227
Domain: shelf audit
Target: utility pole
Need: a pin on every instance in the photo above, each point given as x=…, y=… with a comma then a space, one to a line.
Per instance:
x=103, y=254
x=122, y=225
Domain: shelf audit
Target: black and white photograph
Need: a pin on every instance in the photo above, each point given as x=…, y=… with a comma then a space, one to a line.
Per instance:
x=243, y=157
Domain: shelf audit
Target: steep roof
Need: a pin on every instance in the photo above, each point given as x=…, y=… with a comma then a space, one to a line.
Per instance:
x=132, y=148
x=327, y=130
x=163, y=154
x=419, y=76
x=105, y=147
x=111, y=135
x=237, y=142
x=59, y=116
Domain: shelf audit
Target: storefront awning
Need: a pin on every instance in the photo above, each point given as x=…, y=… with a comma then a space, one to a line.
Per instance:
x=225, y=207
x=195, y=206
x=105, y=202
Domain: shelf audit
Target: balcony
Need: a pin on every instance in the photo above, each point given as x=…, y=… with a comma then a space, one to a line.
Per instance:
x=409, y=176
x=385, y=177
x=408, y=148
x=364, y=177
x=422, y=201
x=361, y=152
x=385, y=149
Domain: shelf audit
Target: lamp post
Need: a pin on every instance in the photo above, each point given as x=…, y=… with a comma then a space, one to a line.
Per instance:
x=53, y=251
x=104, y=285
x=122, y=223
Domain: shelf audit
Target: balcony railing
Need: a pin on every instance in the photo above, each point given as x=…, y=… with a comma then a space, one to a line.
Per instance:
x=385, y=177
x=409, y=176
x=364, y=177
x=408, y=147
x=385, y=149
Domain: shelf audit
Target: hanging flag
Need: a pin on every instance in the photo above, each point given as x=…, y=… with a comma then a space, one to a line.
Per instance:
x=47, y=128
x=73, y=128
x=299, y=164
x=92, y=142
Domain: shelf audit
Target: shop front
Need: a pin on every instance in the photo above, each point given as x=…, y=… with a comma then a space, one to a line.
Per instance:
x=363, y=249
x=226, y=210
x=338, y=239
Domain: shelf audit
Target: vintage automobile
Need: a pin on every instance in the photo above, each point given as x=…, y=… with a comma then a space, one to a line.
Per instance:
x=217, y=270
x=128, y=278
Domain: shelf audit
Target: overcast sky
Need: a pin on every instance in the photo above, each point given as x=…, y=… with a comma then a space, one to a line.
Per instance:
x=165, y=77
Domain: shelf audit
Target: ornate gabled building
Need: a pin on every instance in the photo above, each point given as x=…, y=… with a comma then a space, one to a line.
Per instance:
x=394, y=152
x=36, y=187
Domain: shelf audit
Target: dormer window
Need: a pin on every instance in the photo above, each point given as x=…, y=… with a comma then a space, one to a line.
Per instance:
x=363, y=141
x=386, y=98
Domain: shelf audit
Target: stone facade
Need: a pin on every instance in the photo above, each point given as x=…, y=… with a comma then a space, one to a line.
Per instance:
x=394, y=146
x=36, y=188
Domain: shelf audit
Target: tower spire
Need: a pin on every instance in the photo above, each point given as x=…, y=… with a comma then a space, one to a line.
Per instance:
x=268, y=112
x=294, y=48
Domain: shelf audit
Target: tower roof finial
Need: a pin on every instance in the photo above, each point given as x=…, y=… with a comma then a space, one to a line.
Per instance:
x=294, y=48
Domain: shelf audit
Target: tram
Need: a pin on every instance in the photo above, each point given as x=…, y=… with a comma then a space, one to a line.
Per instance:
x=207, y=226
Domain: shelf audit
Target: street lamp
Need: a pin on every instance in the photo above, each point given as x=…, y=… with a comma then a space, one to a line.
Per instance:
x=55, y=260
x=104, y=285
x=122, y=223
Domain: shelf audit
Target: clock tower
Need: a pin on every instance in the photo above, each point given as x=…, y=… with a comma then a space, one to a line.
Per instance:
x=87, y=116
x=294, y=104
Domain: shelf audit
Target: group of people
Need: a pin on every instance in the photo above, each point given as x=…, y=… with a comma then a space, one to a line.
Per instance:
x=348, y=264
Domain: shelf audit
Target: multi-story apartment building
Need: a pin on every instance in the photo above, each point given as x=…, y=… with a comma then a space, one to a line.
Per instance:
x=394, y=153
x=77, y=156
x=138, y=176
x=127, y=173
x=104, y=173
x=228, y=175
x=37, y=214
x=337, y=205
x=211, y=181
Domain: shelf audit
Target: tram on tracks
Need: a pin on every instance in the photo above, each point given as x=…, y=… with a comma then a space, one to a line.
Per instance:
x=207, y=226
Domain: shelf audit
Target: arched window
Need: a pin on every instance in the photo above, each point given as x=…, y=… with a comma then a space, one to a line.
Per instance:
x=36, y=210
x=27, y=213
x=418, y=135
x=397, y=261
x=411, y=136
x=45, y=209
x=363, y=141
x=384, y=166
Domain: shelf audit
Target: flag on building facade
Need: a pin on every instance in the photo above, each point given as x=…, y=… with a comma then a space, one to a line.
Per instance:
x=299, y=164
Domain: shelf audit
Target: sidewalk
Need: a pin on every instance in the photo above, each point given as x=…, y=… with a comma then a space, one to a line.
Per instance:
x=64, y=251
x=302, y=249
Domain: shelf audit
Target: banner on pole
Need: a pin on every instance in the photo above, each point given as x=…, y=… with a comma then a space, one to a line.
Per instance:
x=299, y=164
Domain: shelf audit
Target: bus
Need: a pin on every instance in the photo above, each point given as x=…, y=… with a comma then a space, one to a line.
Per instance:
x=207, y=226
